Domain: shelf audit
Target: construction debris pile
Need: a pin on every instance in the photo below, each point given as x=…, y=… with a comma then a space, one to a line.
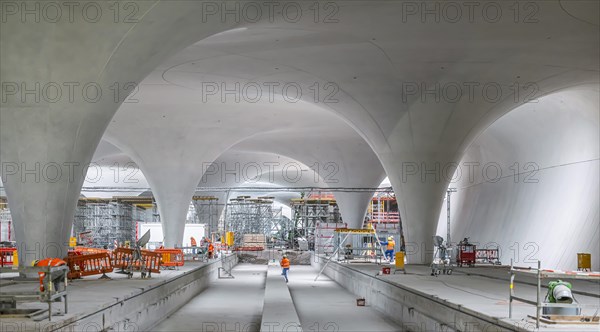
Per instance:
x=253, y=258
x=299, y=257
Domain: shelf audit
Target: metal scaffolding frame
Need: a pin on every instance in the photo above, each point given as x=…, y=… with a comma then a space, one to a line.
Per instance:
x=6, y=225
x=308, y=213
x=100, y=222
x=383, y=215
x=246, y=215
x=207, y=212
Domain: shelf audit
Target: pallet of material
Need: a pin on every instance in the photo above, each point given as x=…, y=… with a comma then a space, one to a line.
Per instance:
x=254, y=244
x=257, y=238
x=249, y=248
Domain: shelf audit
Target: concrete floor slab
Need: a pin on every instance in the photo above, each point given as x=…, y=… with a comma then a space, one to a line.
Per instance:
x=485, y=290
x=86, y=295
x=227, y=305
x=324, y=305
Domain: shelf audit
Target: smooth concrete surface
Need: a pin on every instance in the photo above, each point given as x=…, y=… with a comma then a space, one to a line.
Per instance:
x=279, y=310
x=538, y=196
x=323, y=305
x=258, y=299
x=121, y=303
x=227, y=305
x=473, y=299
x=339, y=163
x=382, y=59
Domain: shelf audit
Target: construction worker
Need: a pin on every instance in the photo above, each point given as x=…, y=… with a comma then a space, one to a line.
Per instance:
x=285, y=266
x=47, y=262
x=193, y=244
x=211, y=250
x=389, y=249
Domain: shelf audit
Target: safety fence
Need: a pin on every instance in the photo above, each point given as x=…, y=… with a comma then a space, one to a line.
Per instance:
x=122, y=257
x=491, y=256
x=81, y=265
x=84, y=261
x=170, y=257
x=7, y=256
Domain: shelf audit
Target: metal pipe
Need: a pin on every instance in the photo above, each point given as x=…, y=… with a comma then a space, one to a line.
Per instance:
x=246, y=189
x=510, y=291
x=539, y=286
x=448, y=194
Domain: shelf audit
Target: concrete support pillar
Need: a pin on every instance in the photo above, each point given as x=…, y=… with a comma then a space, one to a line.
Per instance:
x=353, y=207
x=173, y=212
x=420, y=184
x=61, y=85
x=173, y=183
x=45, y=153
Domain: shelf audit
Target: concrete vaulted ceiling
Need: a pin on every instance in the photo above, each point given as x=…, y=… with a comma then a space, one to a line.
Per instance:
x=538, y=199
x=173, y=136
x=380, y=59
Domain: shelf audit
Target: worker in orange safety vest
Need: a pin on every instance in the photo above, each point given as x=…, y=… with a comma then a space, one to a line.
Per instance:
x=285, y=266
x=390, y=244
x=47, y=262
x=211, y=250
x=194, y=244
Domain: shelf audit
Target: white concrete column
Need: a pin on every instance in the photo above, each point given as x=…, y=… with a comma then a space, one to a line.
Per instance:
x=61, y=85
x=43, y=170
x=172, y=179
x=353, y=207
x=419, y=184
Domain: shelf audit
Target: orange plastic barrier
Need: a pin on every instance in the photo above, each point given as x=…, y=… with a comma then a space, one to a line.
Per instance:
x=7, y=256
x=122, y=256
x=171, y=257
x=87, y=265
x=86, y=250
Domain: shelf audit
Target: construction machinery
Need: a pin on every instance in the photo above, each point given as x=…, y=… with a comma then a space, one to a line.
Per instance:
x=559, y=305
x=442, y=259
x=559, y=292
x=467, y=253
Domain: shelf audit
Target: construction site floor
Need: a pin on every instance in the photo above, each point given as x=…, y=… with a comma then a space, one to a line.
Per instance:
x=485, y=289
x=227, y=305
x=237, y=305
x=323, y=305
x=85, y=295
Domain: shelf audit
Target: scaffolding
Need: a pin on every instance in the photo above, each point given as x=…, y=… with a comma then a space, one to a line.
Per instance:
x=6, y=225
x=207, y=212
x=309, y=212
x=246, y=215
x=145, y=209
x=383, y=216
x=104, y=223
